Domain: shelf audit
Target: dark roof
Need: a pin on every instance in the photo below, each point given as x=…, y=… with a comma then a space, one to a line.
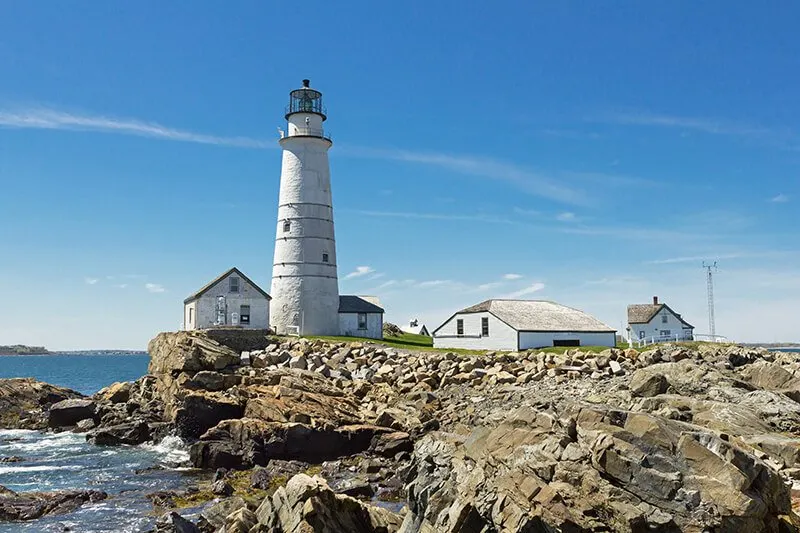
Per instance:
x=357, y=304
x=219, y=278
x=537, y=315
x=644, y=313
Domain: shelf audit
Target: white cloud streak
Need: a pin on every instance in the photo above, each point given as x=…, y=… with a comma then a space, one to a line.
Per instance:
x=433, y=283
x=781, y=138
x=780, y=199
x=359, y=272
x=530, y=289
x=154, y=288
x=566, y=217
x=434, y=216
x=91, y=281
x=512, y=276
x=522, y=178
x=50, y=119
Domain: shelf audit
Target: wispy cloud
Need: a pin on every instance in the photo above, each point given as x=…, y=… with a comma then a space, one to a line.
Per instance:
x=490, y=285
x=527, y=212
x=530, y=289
x=433, y=283
x=691, y=259
x=704, y=124
x=520, y=177
x=566, y=217
x=571, y=134
x=359, y=272
x=780, y=199
x=49, y=119
x=154, y=287
x=434, y=216
x=91, y=281
x=782, y=138
x=121, y=286
x=512, y=276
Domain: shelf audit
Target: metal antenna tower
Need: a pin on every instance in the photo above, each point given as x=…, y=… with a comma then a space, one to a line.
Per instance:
x=712, y=327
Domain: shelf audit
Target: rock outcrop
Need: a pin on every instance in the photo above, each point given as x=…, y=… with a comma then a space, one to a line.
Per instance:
x=675, y=438
x=24, y=402
x=593, y=469
x=308, y=504
x=31, y=505
x=68, y=413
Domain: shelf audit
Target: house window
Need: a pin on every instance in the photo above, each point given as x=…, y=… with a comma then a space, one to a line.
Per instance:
x=324, y=257
x=287, y=226
x=459, y=326
x=191, y=315
x=641, y=334
x=665, y=333
x=664, y=318
x=362, y=320
x=485, y=326
x=233, y=285
x=244, y=314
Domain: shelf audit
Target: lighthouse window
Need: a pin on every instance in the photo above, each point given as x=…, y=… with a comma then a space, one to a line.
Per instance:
x=233, y=285
x=324, y=257
x=287, y=226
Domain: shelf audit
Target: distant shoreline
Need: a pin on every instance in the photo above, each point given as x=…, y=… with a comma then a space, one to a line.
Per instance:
x=74, y=352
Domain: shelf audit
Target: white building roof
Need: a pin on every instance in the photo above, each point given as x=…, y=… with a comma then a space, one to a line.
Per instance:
x=539, y=315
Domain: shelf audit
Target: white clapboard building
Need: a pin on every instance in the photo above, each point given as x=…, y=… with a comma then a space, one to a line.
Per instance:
x=230, y=299
x=521, y=325
x=657, y=322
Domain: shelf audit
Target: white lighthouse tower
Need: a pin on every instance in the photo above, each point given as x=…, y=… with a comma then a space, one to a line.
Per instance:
x=305, y=287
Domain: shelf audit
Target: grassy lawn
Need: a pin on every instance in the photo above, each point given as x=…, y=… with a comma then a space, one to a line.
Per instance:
x=409, y=341
x=406, y=341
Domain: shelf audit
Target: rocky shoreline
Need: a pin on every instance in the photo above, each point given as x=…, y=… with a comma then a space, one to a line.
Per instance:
x=301, y=435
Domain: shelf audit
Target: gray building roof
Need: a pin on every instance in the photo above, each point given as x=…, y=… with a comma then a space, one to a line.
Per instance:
x=538, y=315
x=357, y=304
x=219, y=278
x=644, y=313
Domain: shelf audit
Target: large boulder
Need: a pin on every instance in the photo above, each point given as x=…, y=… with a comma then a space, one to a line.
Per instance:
x=596, y=470
x=249, y=442
x=199, y=412
x=172, y=522
x=67, y=413
x=119, y=392
x=307, y=505
x=188, y=351
x=24, y=402
x=131, y=433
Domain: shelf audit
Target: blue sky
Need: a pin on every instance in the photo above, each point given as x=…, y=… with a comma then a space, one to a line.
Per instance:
x=592, y=154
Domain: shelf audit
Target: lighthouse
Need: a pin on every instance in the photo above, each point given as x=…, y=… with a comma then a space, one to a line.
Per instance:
x=305, y=289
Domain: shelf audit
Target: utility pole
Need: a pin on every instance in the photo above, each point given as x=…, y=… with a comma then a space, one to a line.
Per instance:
x=710, y=268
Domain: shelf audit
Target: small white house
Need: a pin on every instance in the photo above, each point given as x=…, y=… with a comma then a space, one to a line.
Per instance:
x=231, y=299
x=657, y=322
x=360, y=316
x=414, y=326
x=521, y=325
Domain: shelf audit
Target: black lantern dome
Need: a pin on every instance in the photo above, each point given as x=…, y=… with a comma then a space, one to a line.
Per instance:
x=306, y=100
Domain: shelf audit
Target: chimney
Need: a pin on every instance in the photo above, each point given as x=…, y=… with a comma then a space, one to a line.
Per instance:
x=655, y=300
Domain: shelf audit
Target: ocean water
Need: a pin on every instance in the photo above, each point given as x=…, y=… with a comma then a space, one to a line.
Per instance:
x=63, y=461
x=84, y=373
